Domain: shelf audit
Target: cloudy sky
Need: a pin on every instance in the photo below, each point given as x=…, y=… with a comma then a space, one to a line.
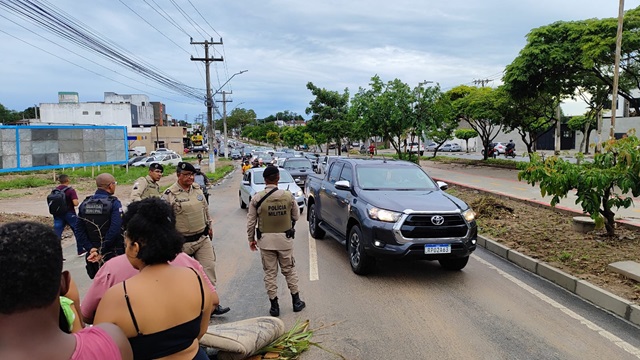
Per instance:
x=282, y=43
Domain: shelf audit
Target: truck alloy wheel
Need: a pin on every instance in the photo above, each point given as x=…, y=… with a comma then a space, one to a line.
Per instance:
x=361, y=263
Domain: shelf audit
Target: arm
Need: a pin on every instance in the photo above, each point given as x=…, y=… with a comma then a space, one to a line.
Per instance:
x=252, y=219
x=99, y=286
x=115, y=229
x=295, y=211
x=74, y=295
x=208, y=220
x=138, y=188
x=119, y=338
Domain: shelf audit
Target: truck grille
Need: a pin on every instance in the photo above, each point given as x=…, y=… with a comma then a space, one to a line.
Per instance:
x=424, y=226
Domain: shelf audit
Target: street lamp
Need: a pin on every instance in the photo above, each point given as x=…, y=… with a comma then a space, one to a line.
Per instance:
x=212, y=164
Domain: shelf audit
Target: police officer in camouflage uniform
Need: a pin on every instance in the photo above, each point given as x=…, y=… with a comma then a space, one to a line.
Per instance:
x=275, y=217
x=147, y=186
x=193, y=221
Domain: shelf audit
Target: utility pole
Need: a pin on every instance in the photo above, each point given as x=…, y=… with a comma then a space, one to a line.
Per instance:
x=616, y=71
x=482, y=82
x=224, y=102
x=209, y=101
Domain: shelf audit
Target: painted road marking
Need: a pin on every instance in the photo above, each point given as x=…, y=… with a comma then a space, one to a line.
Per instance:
x=590, y=325
x=313, y=260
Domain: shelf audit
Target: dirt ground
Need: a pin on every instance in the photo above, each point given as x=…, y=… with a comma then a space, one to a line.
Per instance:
x=540, y=232
x=547, y=234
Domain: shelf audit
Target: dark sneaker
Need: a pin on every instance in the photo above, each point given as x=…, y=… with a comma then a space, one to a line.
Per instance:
x=219, y=310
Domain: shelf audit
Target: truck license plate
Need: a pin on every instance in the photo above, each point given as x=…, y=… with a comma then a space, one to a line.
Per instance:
x=437, y=249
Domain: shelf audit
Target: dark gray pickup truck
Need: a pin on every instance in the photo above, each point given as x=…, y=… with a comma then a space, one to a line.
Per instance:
x=392, y=209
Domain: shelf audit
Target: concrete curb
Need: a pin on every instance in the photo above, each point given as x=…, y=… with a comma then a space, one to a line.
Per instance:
x=595, y=295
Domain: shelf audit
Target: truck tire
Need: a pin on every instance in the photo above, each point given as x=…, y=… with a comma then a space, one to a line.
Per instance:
x=454, y=264
x=314, y=229
x=361, y=263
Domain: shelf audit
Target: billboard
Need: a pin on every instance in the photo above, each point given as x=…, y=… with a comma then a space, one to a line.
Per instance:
x=51, y=147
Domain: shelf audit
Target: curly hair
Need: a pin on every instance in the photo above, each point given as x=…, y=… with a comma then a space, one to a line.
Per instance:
x=31, y=266
x=152, y=224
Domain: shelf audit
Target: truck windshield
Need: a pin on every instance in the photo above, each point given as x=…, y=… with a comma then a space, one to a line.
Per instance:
x=397, y=178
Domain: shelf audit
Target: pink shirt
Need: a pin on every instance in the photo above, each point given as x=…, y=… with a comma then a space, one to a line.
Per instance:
x=118, y=270
x=94, y=343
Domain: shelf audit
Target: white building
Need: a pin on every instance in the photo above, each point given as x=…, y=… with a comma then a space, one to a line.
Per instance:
x=119, y=110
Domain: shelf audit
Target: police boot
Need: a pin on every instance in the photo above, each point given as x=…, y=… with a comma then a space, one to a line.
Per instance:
x=298, y=304
x=275, y=308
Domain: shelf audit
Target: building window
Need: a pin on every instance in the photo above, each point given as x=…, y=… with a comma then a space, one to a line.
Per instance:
x=85, y=113
x=98, y=113
x=143, y=104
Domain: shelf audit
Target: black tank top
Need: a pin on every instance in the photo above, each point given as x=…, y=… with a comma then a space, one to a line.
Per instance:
x=166, y=342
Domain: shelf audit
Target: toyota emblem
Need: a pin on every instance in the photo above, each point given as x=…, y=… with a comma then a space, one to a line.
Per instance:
x=437, y=220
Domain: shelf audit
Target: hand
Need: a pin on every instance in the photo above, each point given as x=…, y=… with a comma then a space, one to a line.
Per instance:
x=94, y=256
x=253, y=245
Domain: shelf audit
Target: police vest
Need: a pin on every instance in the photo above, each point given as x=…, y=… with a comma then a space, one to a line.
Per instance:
x=151, y=190
x=190, y=216
x=275, y=213
x=96, y=214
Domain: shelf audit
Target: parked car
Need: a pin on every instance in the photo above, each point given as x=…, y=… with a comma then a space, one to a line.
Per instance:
x=431, y=147
x=253, y=182
x=451, y=147
x=389, y=209
x=414, y=148
x=147, y=160
x=161, y=151
x=169, y=159
x=135, y=159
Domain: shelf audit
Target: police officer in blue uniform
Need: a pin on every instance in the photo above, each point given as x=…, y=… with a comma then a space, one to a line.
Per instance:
x=99, y=225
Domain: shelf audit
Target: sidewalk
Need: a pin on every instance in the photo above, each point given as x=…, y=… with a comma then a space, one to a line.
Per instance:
x=505, y=182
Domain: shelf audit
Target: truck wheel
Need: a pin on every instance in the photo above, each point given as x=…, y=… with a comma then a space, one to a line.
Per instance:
x=242, y=204
x=314, y=229
x=361, y=263
x=454, y=264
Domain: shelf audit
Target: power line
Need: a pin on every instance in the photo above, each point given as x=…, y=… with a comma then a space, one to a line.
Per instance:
x=167, y=17
x=189, y=20
x=203, y=18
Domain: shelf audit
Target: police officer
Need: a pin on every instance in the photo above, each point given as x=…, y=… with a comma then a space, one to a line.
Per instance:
x=193, y=221
x=275, y=211
x=201, y=179
x=99, y=225
x=147, y=186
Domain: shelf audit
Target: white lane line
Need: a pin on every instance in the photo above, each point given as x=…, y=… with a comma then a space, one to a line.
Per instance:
x=602, y=332
x=313, y=260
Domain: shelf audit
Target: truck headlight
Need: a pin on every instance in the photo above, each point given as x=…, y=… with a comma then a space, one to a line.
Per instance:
x=469, y=215
x=299, y=193
x=383, y=215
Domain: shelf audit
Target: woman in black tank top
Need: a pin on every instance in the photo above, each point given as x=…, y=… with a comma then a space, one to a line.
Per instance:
x=164, y=309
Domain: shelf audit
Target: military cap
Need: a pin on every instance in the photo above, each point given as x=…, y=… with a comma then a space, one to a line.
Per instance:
x=270, y=170
x=186, y=166
x=156, y=166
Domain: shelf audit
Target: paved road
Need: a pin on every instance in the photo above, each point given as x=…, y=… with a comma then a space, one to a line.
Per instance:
x=410, y=310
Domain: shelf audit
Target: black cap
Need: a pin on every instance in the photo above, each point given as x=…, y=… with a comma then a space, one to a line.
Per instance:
x=270, y=170
x=186, y=166
x=156, y=166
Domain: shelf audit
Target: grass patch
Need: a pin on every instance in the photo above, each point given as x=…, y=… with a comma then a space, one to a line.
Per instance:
x=25, y=182
x=220, y=172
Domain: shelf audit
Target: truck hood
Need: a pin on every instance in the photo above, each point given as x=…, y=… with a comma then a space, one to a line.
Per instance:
x=417, y=200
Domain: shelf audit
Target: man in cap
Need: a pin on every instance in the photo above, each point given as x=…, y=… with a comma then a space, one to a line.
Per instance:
x=275, y=212
x=147, y=186
x=201, y=179
x=193, y=221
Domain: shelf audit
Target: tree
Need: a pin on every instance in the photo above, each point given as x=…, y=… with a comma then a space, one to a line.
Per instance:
x=616, y=168
x=273, y=138
x=240, y=118
x=480, y=107
x=293, y=136
x=584, y=124
x=386, y=110
x=9, y=116
x=331, y=108
x=466, y=134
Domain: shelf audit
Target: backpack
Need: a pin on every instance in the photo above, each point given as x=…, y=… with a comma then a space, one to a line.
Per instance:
x=57, y=201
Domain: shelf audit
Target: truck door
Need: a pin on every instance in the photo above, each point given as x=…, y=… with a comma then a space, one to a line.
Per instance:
x=328, y=196
x=343, y=199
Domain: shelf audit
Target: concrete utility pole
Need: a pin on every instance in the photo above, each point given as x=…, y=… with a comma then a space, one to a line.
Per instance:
x=558, y=134
x=209, y=101
x=616, y=70
x=224, y=102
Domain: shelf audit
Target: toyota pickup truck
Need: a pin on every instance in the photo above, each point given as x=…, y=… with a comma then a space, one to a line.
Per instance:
x=389, y=209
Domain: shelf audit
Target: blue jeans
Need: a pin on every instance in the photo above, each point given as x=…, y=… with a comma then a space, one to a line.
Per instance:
x=59, y=222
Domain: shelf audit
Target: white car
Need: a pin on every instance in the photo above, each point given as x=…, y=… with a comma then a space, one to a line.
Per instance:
x=414, y=148
x=451, y=147
x=253, y=182
x=431, y=147
x=162, y=151
x=146, y=161
x=169, y=159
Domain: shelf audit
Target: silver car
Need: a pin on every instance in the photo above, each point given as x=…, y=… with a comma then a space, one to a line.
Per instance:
x=253, y=182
